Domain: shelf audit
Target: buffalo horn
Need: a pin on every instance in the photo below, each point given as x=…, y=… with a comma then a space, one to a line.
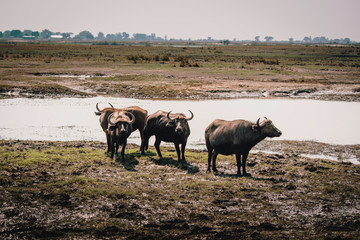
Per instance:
x=111, y=105
x=257, y=122
x=132, y=119
x=97, y=107
x=168, y=115
x=109, y=120
x=189, y=118
x=263, y=123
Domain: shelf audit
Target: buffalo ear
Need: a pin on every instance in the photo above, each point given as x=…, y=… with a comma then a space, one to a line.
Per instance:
x=255, y=127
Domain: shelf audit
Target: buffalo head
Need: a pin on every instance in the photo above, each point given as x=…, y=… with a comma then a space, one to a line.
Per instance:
x=121, y=122
x=179, y=122
x=267, y=128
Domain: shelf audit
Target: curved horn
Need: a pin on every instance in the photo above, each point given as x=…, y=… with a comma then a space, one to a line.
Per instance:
x=192, y=116
x=132, y=119
x=111, y=105
x=265, y=118
x=109, y=120
x=258, y=122
x=168, y=115
x=97, y=107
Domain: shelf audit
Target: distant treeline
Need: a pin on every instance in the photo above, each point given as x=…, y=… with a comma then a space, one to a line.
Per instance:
x=124, y=36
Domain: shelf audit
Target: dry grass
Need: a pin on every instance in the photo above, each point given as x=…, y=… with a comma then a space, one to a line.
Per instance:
x=277, y=70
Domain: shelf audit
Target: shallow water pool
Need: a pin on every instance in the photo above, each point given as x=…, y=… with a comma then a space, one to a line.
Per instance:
x=69, y=119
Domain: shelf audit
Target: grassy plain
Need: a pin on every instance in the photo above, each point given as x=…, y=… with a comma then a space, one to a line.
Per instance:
x=173, y=71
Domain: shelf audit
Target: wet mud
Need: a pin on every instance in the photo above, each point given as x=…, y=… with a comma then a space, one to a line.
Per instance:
x=72, y=190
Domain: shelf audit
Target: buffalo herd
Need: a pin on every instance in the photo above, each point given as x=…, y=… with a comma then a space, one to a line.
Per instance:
x=221, y=137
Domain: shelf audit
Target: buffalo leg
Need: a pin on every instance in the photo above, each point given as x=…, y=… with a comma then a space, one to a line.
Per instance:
x=144, y=143
x=157, y=146
x=214, y=161
x=142, y=147
x=108, y=143
x=238, y=163
x=210, y=150
x=177, y=150
x=183, y=145
x=112, y=148
x=244, y=157
x=123, y=150
x=116, y=149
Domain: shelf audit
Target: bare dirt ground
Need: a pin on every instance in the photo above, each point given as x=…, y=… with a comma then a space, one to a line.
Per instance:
x=173, y=84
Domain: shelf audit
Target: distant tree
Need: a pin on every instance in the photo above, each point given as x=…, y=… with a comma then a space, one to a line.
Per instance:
x=269, y=38
x=6, y=34
x=1, y=34
x=226, y=42
x=16, y=34
x=320, y=40
x=35, y=34
x=111, y=37
x=347, y=40
x=84, y=35
x=257, y=39
x=140, y=36
x=125, y=35
x=307, y=39
x=100, y=35
x=45, y=34
x=291, y=40
x=118, y=36
x=27, y=33
x=66, y=35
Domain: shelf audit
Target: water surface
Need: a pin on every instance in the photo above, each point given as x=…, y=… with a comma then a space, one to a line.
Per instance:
x=69, y=119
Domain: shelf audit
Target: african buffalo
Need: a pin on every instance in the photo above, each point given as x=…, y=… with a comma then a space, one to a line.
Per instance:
x=119, y=129
x=236, y=137
x=168, y=127
x=140, y=118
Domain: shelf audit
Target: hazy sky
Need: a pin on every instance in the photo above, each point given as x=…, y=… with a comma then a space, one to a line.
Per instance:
x=219, y=19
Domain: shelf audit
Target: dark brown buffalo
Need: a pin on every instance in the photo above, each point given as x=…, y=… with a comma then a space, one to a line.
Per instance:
x=168, y=127
x=236, y=137
x=140, y=118
x=119, y=129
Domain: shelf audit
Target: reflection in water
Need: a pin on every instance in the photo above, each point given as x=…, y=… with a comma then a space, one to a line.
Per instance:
x=70, y=119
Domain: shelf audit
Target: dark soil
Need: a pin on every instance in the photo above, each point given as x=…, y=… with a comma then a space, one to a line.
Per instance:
x=72, y=190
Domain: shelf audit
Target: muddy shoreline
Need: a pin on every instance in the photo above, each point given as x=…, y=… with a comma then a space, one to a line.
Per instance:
x=61, y=91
